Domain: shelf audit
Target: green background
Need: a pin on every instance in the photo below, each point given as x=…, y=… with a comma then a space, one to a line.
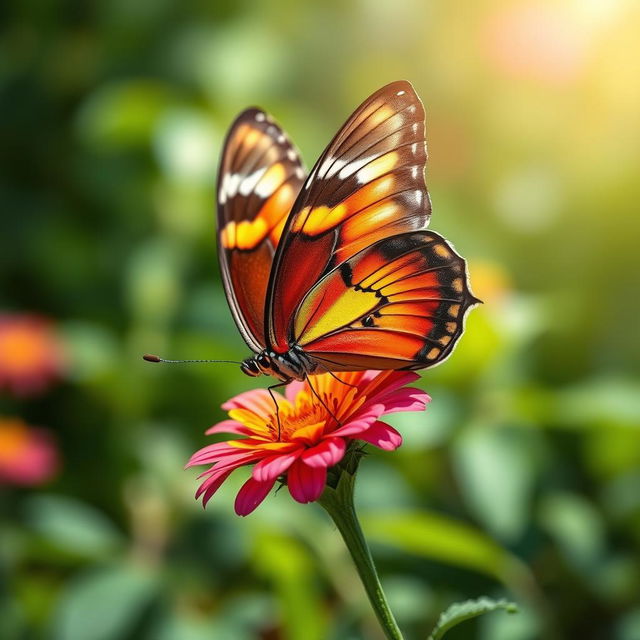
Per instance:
x=523, y=477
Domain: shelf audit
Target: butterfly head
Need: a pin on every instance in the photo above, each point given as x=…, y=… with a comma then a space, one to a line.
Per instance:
x=250, y=367
x=283, y=366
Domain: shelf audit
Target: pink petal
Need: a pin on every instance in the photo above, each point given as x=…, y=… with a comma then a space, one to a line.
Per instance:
x=257, y=401
x=306, y=483
x=273, y=466
x=211, y=453
x=251, y=494
x=238, y=458
x=229, y=426
x=387, y=382
x=405, y=399
x=361, y=422
x=292, y=390
x=326, y=454
x=382, y=435
x=211, y=485
x=368, y=376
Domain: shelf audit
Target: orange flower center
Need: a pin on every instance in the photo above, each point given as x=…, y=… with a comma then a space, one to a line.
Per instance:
x=305, y=421
x=307, y=418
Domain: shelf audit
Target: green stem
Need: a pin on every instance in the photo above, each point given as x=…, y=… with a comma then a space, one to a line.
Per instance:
x=338, y=503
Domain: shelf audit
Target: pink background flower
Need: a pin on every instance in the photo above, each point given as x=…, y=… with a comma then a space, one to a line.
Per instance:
x=28, y=455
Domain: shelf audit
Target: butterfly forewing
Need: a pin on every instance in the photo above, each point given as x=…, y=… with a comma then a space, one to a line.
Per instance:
x=368, y=185
x=259, y=179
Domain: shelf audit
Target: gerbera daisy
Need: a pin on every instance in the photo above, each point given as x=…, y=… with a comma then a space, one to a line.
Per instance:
x=315, y=423
x=30, y=353
x=28, y=456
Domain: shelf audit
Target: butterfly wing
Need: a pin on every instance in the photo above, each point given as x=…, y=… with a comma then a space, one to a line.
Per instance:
x=259, y=179
x=399, y=303
x=367, y=185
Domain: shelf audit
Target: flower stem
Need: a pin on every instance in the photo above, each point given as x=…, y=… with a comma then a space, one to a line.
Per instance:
x=338, y=503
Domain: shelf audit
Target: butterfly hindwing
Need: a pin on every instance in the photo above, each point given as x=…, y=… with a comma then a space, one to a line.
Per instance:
x=399, y=303
x=259, y=179
x=368, y=185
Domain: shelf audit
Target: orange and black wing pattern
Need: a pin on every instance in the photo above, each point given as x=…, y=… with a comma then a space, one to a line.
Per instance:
x=398, y=304
x=367, y=186
x=259, y=179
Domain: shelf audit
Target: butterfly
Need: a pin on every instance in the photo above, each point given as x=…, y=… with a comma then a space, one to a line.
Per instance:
x=336, y=270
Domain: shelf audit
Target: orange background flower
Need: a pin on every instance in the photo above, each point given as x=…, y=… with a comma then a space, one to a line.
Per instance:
x=30, y=353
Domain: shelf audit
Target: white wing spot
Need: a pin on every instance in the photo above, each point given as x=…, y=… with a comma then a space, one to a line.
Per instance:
x=326, y=166
x=230, y=184
x=260, y=117
x=250, y=182
x=355, y=165
x=401, y=93
x=281, y=139
x=299, y=173
x=292, y=155
x=310, y=179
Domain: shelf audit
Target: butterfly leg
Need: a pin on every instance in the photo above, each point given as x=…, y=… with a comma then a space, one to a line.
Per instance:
x=322, y=402
x=333, y=375
x=270, y=390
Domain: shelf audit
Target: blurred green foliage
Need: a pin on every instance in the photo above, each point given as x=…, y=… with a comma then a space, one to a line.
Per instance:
x=522, y=479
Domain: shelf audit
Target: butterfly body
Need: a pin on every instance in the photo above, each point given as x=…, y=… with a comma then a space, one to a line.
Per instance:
x=337, y=271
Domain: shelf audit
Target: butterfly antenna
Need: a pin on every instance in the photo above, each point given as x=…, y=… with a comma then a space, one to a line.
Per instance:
x=149, y=357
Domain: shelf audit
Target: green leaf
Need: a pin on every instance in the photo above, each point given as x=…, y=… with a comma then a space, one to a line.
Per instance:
x=288, y=565
x=92, y=349
x=441, y=538
x=123, y=114
x=103, y=604
x=461, y=611
x=496, y=472
x=153, y=280
x=72, y=526
x=576, y=526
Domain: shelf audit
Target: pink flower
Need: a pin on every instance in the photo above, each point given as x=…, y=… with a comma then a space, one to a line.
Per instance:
x=30, y=353
x=28, y=456
x=312, y=436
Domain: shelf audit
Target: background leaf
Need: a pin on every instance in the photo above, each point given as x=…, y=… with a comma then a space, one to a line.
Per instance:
x=440, y=538
x=461, y=611
x=72, y=526
x=104, y=604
